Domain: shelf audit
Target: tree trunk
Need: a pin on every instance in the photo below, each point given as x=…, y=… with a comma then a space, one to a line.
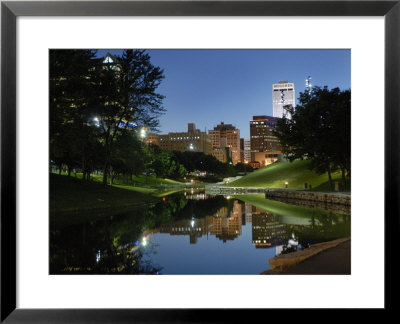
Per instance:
x=105, y=173
x=343, y=176
x=83, y=169
x=330, y=177
x=69, y=170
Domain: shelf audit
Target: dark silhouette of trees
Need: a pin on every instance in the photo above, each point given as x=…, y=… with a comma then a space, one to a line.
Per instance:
x=319, y=130
x=200, y=161
x=241, y=167
x=127, y=95
x=71, y=94
x=93, y=105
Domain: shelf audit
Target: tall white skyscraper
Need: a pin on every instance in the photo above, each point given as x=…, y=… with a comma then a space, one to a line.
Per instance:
x=282, y=95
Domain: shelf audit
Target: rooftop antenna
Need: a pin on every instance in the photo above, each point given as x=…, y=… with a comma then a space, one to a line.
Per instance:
x=308, y=85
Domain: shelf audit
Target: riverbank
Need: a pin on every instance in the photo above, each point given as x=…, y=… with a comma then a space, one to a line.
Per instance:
x=333, y=257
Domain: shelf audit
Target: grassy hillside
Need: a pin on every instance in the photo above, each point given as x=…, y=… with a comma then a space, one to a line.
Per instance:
x=295, y=173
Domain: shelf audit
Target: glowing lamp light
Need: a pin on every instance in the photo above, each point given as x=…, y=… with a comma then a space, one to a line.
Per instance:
x=98, y=256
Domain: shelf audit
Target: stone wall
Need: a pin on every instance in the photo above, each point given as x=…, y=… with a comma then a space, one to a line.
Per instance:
x=311, y=196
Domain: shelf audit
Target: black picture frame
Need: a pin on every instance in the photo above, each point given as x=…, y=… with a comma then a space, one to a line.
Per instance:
x=10, y=10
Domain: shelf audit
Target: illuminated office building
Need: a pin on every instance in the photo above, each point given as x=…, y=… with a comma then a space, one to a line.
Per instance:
x=226, y=136
x=192, y=140
x=282, y=94
x=264, y=146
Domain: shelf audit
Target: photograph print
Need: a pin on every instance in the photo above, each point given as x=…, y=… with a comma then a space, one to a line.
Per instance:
x=200, y=161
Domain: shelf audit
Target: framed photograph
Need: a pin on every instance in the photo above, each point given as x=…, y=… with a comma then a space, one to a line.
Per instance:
x=165, y=202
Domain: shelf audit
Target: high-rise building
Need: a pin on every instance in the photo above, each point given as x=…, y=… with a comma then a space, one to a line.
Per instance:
x=242, y=150
x=226, y=136
x=247, y=151
x=192, y=140
x=264, y=146
x=282, y=95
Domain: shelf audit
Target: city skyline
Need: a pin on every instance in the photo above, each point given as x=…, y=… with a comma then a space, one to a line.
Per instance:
x=207, y=87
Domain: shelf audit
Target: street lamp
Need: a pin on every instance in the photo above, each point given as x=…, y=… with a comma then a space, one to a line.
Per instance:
x=143, y=132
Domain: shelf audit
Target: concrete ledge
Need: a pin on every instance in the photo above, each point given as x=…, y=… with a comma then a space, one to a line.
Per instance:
x=285, y=261
x=322, y=197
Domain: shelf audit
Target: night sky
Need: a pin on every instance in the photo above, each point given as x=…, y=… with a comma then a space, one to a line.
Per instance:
x=207, y=87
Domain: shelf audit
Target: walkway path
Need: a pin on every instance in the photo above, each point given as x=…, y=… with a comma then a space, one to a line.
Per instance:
x=333, y=261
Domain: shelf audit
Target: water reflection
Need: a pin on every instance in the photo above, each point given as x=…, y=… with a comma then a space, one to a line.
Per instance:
x=190, y=232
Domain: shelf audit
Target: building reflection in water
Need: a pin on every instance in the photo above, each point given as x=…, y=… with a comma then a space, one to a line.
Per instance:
x=268, y=230
x=226, y=224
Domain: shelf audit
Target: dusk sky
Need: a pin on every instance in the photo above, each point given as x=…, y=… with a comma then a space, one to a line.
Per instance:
x=207, y=87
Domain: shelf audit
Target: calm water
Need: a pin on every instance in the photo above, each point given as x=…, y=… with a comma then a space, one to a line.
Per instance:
x=190, y=233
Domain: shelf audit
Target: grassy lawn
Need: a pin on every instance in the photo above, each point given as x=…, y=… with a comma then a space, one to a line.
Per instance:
x=150, y=180
x=71, y=194
x=295, y=173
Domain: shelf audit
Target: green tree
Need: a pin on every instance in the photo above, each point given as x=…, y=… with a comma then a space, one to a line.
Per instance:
x=71, y=94
x=127, y=89
x=319, y=130
x=128, y=158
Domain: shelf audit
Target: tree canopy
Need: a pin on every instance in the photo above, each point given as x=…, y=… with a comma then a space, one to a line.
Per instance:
x=93, y=105
x=319, y=130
